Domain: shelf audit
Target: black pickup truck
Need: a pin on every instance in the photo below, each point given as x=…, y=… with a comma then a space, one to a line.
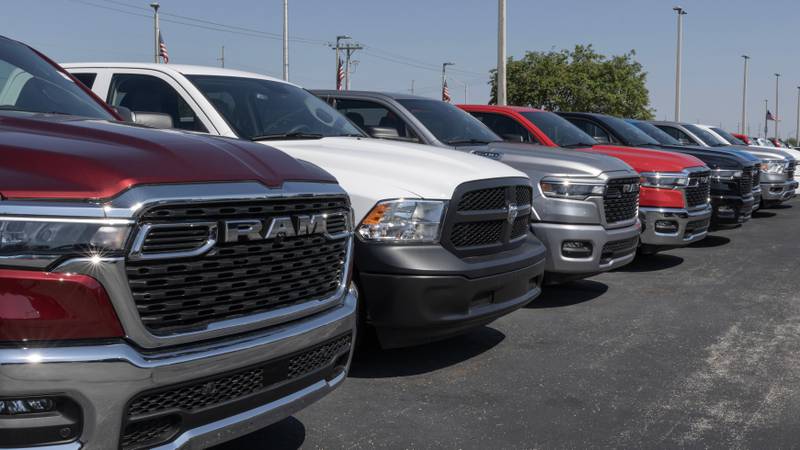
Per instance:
x=735, y=190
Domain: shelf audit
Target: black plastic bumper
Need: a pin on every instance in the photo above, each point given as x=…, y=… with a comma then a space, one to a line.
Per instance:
x=731, y=210
x=417, y=294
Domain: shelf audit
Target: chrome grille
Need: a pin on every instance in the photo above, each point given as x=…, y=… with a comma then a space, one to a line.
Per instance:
x=237, y=279
x=699, y=189
x=619, y=205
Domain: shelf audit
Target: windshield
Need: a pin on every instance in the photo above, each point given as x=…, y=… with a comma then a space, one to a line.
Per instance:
x=733, y=140
x=705, y=136
x=656, y=133
x=559, y=130
x=259, y=109
x=448, y=123
x=629, y=133
x=31, y=84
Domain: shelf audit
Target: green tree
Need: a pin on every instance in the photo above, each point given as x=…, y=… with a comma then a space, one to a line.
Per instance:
x=578, y=80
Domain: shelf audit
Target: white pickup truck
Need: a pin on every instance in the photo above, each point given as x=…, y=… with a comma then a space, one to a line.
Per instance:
x=442, y=236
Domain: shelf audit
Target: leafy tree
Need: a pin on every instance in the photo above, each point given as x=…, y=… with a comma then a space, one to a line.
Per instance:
x=578, y=80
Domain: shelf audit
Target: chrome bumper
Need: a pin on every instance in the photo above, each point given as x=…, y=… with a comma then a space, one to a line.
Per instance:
x=103, y=378
x=682, y=217
x=778, y=192
x=553, y=236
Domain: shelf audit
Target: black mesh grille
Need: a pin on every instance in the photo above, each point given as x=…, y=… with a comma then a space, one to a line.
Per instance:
x=483, y=199
x=235, y=279
x=619, y=248
x=790, y=170
x=175, y=238
x=696, y=226
x=312, y=360
x=147, y=433
x=524, y=195
x=620, y=205
x=746, y=181
x=699, y=189
x=477, y=233
x=520, y=227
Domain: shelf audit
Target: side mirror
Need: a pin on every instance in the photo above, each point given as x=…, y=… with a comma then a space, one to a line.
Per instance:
x=602, y=139
x=125, y=113
x=513, y=137
x=383, y=133
x=153, y=120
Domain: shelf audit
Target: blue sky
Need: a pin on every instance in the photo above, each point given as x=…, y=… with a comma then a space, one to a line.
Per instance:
x=422, y=34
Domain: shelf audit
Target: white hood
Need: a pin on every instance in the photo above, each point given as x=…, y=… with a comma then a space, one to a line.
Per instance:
x=372, y=169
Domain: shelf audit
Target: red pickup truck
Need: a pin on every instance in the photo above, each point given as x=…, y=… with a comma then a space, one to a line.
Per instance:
x=675, y=208
x=157, y=289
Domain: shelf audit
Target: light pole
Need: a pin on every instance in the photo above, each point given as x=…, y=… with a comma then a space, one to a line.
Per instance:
x=444, y=70
x=501, y=53
x=681, y=12
x=286, y=40
x=777, y=115
x=744, y=96
x=797, y=132
x=156, y=51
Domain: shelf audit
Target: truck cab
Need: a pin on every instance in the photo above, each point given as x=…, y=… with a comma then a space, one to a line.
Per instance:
x=134, y=312
x=442, y=243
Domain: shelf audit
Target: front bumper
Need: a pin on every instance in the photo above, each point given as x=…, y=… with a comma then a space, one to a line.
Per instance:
x=419, y=293
x=103, y=379
x=778, y=192
x=691, y=226
x=731, y=210
x=611, y=248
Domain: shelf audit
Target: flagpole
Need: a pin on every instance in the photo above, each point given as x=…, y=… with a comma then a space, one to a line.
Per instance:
x=766, y=122
x=777, y=114
x=444, y=69
x=155, y=7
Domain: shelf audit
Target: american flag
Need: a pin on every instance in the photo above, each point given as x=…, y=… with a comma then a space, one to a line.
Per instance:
x=446, y=93
x=770, y=116
x=340, y=75
x=162, y=49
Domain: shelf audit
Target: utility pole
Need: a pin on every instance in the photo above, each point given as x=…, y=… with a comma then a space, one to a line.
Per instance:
x=797, y=131
x=349, y=50
x=444, y=73
x=501, y=53
x=777, y=115
x=221, y=58
x=156, y=51
x=286, y=40
x=412, y=87
x=681, y=12
x=744, y=96
x=336, y=49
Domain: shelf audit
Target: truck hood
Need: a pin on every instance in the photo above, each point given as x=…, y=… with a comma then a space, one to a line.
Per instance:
x=770, y=152
x=552, y=161
x=648, y=160
x=64, y=157
x=715, y=158
x=374, y=169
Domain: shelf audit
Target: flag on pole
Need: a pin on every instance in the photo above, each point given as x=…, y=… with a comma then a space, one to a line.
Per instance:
x=445, y=93
x=162, y=49
x=770, y=116
x=340, y=75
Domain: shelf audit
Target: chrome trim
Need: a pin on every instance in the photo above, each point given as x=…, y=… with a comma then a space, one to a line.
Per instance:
x=136, y=254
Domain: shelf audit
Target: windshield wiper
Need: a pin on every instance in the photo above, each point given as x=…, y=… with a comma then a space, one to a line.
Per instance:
x=576, y=145
x=349, y=135
x=456, y=142
x=294, y=135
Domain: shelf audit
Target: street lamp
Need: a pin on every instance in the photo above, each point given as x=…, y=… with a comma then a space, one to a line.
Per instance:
x=681, y=12
x=777, y=115
x=744, y=97
x=797, y=132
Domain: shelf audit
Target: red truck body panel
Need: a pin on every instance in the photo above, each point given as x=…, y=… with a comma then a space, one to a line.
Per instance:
x=62, y=157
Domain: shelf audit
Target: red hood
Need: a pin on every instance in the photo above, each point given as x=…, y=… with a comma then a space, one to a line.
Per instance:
x=648, y=160
x=71, y=158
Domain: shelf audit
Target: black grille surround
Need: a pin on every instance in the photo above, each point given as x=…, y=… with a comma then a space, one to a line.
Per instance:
x=756, y=175
x=746, y=181
x=699, y=189
x=156, y=417
x=790, y=170
x=479, y=221
x=620, y=206
x=233, y=280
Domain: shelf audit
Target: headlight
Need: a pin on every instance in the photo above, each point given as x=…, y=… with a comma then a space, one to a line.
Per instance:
x=724, y=174
x=664, y=180
x=403, y=221
x=572, y=189
x=774, y=166
x=37, y=242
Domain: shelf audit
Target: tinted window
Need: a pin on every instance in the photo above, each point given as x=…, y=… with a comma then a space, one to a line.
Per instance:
x=146, y=93
x=592, y=129
x=367, y=115
x=705, y=136
x=86, y=78
x=733, y=140
x=508, y=128
x=680, y=136
x=31, y=84
x=655, y=133
x=559, y=129
x=256, y=108
x=448, y=123
x=630, y=134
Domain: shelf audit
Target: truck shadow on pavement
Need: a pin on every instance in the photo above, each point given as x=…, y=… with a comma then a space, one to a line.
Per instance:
x=288, y=434
x=761, y=214
x=568, y=294
x=401, y=362
x=710, y=241
x=651, y=263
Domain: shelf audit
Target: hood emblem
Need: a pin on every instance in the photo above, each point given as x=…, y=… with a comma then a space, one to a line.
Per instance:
x=513, y=212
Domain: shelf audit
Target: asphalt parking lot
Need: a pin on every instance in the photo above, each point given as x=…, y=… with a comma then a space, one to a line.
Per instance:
x=696, y=347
